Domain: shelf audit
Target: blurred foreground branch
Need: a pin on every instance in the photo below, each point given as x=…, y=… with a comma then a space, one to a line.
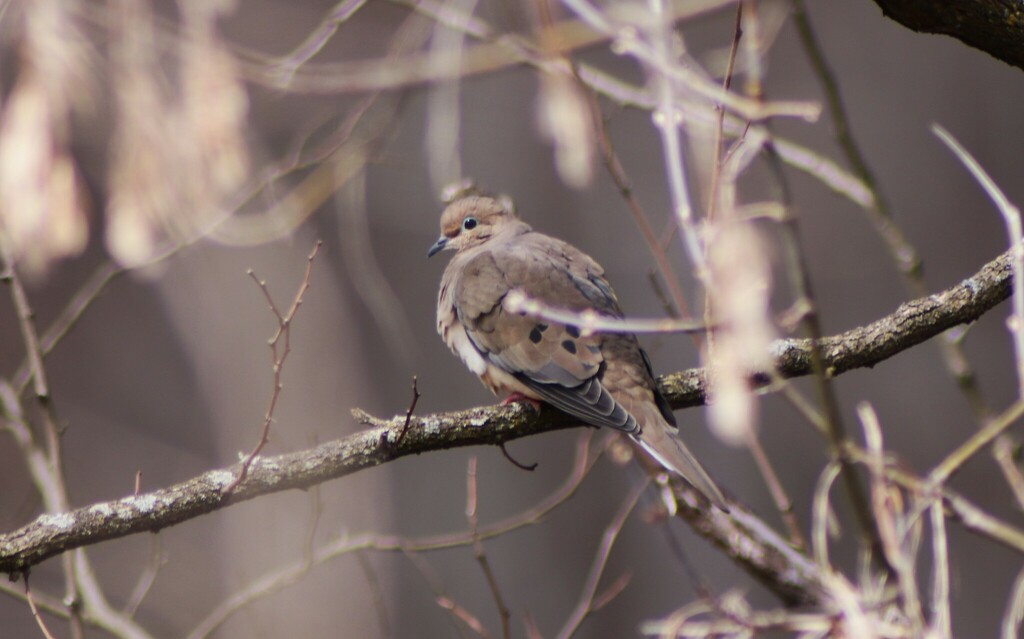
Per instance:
x=750, y=542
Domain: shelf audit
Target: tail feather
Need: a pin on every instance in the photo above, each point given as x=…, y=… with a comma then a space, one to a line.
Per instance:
x=660, y=440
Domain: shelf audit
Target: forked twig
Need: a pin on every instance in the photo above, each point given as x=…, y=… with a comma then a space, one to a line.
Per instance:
x=284, y=330
x=462, y=618
x=408, y=413
x=585, y=605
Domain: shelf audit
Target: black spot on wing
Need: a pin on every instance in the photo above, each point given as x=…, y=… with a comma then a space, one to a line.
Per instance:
x=574, y=331
x=569, y=346
x=536, y=335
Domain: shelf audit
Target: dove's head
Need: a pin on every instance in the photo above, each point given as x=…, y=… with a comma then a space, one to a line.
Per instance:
x=475, y=219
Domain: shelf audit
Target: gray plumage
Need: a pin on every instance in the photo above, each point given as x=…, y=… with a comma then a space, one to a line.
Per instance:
x=604, y=379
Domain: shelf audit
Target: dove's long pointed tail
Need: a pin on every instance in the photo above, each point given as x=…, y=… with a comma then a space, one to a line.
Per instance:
x=659, y=439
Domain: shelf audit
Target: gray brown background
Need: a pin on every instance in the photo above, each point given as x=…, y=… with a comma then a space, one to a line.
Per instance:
x=170, y=373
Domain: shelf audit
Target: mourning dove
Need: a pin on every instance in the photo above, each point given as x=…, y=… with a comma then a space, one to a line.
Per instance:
x=603, y=379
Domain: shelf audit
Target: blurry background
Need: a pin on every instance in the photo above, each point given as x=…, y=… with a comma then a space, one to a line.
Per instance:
x=168, y=373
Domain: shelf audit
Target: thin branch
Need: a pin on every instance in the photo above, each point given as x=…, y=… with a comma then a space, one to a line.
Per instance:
x=585, y=605
x=1014, y=609
x=716, y=165
x=668, y=120
x=800, y=282
x=46, y=466
x=1011, y=217
x=515, y=462
x=146, y=579
x=941, y=615
x=590, y=321
x=822, y=515
x=317, y=38
x=625, y=188
x=284, y=330
x=994, y=428
x=409, y=411
x=377, y=596
x=68, y=318
x=879, y=212
x=778, y=492
x=26, y=322
x=795, y=261
x=613, y=590
x=463, y=619
x=35, y=611
x=888, y=516
x=478, y=549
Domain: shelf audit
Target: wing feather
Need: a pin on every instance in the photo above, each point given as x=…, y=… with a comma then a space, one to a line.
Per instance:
x=559, y=362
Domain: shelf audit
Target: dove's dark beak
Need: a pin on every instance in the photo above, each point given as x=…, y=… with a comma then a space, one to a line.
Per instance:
x=438, y=246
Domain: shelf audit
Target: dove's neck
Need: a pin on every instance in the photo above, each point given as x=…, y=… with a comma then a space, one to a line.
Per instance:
x=514, y=228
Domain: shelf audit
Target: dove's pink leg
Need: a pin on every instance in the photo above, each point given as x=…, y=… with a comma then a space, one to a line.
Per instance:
x=516, y=396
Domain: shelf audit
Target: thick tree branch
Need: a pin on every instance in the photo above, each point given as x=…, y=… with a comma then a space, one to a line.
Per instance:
x=911, y=324
x=743, y=536
x=993, y=26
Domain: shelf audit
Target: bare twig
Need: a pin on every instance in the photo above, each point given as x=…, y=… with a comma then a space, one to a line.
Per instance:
x=878, y=212
x=48, y=470
x=956, y=459
x=613, y=590
x=284, y=331
x=889, y=519
x=625, y=188
x=941, y=614
x=375, y=592
x=515, y=462
x=408, y=412
x=1014, y=609
x=146, y=579
x=586, y=602
x=668, y=120
x=1011, y=217
x=530, y=627
x=317, y=38
x=778, y=492
x=35, y=611
x=822, y=514
x=68, y=318
x=716, y=166
x=796, y=269
x=478, y=549
x=591, y=321
x=44, y=602
x=462, y=618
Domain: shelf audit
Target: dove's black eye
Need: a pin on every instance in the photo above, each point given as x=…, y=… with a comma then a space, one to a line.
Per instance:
x=469, y=224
